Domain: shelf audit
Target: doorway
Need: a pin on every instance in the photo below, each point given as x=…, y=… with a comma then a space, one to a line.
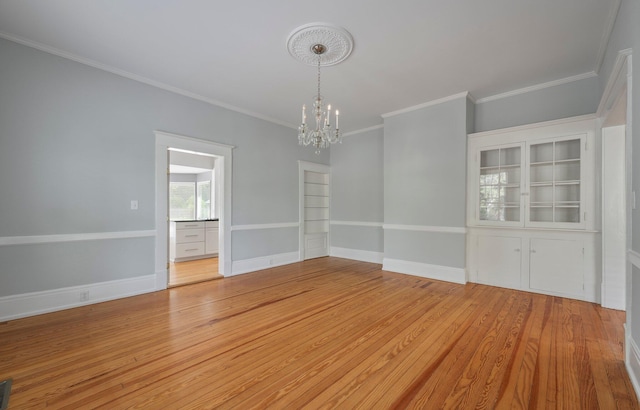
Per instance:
x=193, y=220
x=166, y=142
x=614, y=205
x=616, y=116
x=314, y=190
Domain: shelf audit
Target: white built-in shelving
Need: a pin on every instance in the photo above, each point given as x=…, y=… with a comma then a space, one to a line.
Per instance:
x=531, y=207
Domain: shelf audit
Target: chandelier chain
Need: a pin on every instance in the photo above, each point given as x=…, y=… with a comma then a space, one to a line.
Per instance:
x=319, y=60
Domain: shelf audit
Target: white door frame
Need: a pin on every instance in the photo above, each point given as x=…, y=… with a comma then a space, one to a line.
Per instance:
x=619, y=86
x=223, y=154
x=313, y=167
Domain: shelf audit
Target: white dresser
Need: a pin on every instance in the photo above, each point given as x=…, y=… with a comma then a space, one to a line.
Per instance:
x=193, y=240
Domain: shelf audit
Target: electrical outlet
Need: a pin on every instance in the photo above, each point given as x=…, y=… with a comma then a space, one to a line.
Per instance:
x=84, y=295
x=134, y=204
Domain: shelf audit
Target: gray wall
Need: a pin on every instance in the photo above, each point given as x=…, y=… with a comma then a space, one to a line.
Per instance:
x=562, y=101
x=425, y=182
x=357, y=193
x=77, y=145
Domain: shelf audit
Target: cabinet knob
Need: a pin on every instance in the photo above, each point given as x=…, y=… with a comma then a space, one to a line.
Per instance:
x=533, y=251
x=517, y=249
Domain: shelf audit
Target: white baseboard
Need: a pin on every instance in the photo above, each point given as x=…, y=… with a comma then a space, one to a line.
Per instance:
x=445, y=273
x=35, y=303
x=264, y=262
x=356, y=254
x=633, y=362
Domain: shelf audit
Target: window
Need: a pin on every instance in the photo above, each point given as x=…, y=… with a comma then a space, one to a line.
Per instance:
x=189, y=200
x=182, y=204
x=204, y=199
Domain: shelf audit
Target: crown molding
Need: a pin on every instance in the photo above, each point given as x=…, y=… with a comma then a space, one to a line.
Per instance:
x=464, y=94
x=360, y=131
x=139, y=78
x=617, y=79
x=551, y=123
x=537, y=87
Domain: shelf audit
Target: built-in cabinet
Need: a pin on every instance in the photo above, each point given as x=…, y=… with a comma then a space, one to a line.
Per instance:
x=193, y=240
x=531, y=209
x=316, y=214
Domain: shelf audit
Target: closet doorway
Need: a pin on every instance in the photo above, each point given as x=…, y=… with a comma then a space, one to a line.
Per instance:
x=314, y=190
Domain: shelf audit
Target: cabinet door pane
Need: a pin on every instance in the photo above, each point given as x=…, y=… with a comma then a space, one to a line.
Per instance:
x=490, y=158
x=541, y=152
x=567, y=170
x=569, y=149
x=499, y=185
x=541, y=214
x=554, y=180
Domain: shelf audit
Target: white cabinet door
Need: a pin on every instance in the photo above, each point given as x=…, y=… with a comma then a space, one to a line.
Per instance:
x=557, y=266
x=556, y=183
x=211, y=240
x=499, y=261
x=500, y=186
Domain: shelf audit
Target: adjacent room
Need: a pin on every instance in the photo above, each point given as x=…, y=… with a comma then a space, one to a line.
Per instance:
x=361, y=204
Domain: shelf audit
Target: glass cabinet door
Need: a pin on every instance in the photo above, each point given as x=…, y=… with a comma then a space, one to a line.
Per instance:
x=554, y=182
x=500, y=185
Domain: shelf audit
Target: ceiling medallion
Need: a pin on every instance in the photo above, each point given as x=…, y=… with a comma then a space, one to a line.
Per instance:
x=338, y=43
x=319, y=44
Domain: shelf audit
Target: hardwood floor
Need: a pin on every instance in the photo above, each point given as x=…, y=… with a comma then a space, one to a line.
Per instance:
x=200, y=270
x=325, y=333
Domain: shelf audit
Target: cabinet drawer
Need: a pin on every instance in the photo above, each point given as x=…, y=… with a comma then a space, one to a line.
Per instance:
x=184, y=250
x=189, y=225
x=189, y=235
x=211, y=224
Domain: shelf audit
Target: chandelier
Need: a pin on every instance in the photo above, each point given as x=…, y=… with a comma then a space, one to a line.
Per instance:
x=320, y=44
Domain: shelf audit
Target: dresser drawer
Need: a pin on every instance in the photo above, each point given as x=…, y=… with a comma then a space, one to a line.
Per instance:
x=189, y=235
x=189, y=225
x=185, y=250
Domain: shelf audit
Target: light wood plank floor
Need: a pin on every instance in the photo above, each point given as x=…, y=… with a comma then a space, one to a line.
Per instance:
x=325, y=333
x=199, y=270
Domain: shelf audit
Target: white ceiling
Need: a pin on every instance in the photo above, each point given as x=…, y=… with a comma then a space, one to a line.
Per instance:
x=406, y=52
